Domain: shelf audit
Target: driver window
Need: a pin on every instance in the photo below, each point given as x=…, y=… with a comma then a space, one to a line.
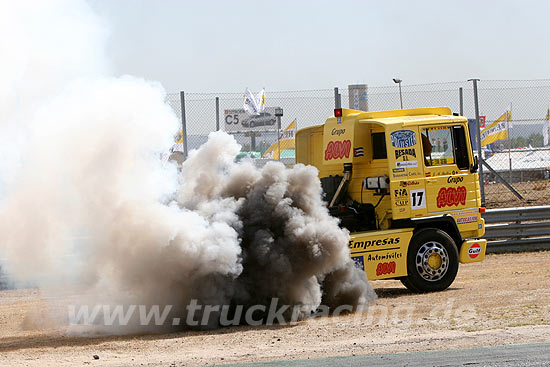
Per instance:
x=379, y=146
x=437, y=145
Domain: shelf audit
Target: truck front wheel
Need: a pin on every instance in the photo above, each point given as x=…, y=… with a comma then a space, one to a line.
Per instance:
x=432, y=261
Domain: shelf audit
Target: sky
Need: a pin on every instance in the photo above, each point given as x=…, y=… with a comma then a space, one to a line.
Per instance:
x=226, y=46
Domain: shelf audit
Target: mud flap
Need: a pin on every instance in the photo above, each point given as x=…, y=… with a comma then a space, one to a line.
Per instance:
x=472, y=251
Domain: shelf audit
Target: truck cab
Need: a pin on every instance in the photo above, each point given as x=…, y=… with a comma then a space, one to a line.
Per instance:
x=405, y=184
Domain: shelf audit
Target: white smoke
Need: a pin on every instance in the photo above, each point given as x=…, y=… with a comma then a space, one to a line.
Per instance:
x=73, y=139
x=79, y=157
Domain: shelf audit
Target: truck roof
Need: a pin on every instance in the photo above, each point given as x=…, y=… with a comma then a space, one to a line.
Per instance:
x=411, y=116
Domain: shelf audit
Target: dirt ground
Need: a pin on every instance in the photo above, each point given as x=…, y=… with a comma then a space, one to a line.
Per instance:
x=503, y=300
x=534, y=193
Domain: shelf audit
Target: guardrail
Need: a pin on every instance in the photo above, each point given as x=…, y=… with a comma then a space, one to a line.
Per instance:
x=517, y=229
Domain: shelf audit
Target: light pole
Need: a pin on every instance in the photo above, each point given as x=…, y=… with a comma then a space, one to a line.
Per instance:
x=279, y=114
x=398, y=81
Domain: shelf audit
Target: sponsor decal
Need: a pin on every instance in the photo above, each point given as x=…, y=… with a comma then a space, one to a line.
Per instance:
x=455, y=179
x=337, y=150
x=410, y=174
x=451, y=196
x=441, y=173
x=359, y=263
x=406, y=164
x=469, y=219
x=400, y=192
x=400, y=175
x=474, y=250
x=358, y=152
x=465, y=212
x=401, y=197
x=386, y=268
x=372, y=243
x=395, y=170
x=389, y=256
x=338, y=132
x=405, y=153
x=408, y=183
x=403, y=138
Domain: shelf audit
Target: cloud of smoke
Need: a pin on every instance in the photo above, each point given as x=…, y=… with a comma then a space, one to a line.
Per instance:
x=292, y=248
x=82, y=159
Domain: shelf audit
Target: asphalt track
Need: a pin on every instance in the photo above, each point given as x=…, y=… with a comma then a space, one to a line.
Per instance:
x=524, y=355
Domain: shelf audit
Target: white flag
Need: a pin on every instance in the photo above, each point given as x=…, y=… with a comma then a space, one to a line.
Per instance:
x=260, y=100
x=546, y=128
x=249, y=103
x=254, y=105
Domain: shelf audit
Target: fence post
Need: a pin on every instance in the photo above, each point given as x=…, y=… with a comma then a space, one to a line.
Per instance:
x=183, y=124
x=337, y=100
x=461, y=101
x=479, y=152
x=217, y=113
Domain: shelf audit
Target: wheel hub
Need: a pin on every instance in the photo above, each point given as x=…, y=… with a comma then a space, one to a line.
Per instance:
x=432, y=261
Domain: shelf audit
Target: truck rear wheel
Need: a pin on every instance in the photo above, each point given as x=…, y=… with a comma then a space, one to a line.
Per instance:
x=432, y=261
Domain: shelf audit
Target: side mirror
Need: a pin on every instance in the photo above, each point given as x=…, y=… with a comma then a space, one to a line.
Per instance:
x=475, y=165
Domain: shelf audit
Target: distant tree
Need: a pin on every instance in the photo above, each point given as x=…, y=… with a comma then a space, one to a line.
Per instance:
x=518, y=142
x=535, y=140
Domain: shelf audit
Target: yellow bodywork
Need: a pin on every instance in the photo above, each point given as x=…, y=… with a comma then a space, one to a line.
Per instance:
x=419, y=187
x=472, y=251
x=381, y=254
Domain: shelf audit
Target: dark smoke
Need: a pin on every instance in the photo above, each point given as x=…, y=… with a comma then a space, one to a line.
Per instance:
x=292, y=249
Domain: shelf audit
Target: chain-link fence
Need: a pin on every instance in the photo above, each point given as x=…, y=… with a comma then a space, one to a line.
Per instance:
x=522, y=158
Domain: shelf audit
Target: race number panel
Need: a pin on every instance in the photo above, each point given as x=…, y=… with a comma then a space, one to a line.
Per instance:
x=418, y=199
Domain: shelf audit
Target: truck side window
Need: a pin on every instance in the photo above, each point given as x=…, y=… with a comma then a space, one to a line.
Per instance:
x=460, y=147
x=379, y=146
x=442, y=147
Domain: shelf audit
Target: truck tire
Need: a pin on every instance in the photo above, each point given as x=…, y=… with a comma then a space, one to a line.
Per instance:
x=432, y=261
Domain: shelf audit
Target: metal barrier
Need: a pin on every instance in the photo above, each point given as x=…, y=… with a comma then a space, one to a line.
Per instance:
x=517, y=229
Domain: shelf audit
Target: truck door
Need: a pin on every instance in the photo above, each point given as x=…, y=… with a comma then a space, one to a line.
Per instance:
x=450, y=187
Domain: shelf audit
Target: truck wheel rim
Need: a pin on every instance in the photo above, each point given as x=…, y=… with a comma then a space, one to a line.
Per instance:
x=432, y=261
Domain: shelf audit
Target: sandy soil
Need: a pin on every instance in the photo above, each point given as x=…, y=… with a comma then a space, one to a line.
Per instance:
x=503, y=300
x=534, y=193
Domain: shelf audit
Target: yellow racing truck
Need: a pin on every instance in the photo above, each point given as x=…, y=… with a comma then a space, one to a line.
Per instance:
x=405, y=184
